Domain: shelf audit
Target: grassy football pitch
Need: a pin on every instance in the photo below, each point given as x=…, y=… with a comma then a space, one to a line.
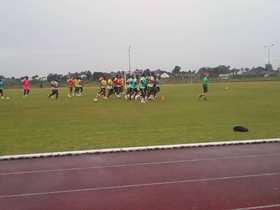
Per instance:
x=36, y=124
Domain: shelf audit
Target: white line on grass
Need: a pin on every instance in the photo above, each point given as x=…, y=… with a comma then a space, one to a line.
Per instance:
x=137, y=164
x=118, y=187
x=258, y=207
x=132, y=149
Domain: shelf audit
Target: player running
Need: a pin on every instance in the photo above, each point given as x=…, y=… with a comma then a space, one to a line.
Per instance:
x=143, y=88
x=129, y=83
x=78, y=86
x=109, y=88
x=70, y=85
x=2, y=89
x=151, y=86
x=204, y=87
x=117, y=83
x=134, y=89
x=54, y=89
x=157, y=88
x=26, y=86
x=102, y=87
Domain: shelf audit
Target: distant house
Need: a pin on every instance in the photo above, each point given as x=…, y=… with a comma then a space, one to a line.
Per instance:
x=225, y=76
x=164, y=76
x=241, y=72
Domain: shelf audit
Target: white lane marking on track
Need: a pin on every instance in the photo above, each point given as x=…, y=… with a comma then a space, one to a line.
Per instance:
x=136, y=164
x=258, y=207
x=118, y=187
x=144, y=148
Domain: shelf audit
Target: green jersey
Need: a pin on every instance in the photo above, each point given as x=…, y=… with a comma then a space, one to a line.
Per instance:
x=157, y=82
x=129, y=83
x=1, y=84
x=143, y=83
x=134, y=83
x=205, y=81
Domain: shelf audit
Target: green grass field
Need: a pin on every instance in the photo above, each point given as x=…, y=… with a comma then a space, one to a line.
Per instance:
x=36, y=124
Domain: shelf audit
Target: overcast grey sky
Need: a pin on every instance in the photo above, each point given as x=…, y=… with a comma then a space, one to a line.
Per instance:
x=44, y=36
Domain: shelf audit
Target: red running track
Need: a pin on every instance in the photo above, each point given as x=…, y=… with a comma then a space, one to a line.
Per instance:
x=218, y=178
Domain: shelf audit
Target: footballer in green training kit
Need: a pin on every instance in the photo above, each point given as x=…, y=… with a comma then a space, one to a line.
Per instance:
x=204, y=86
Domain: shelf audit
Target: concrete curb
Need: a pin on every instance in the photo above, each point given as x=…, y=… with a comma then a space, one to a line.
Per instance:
x=135, y=149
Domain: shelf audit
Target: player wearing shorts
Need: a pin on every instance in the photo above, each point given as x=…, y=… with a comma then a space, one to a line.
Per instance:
x=204, y=87
x=115, y=85
x=26, y=86
x=143, y=88
x=2, y=89
x=70, y=85
x=157, y=88
x=129, y=83
x=134, y=89
x=102, y=87
x=78, y=86
x=118, y=86
x=109, y=88
x=54, y=89
x=151, y=86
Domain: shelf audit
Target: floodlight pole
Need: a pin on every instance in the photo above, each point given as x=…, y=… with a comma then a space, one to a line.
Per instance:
x=129, y=65
x=268, y=47
x=129, y=59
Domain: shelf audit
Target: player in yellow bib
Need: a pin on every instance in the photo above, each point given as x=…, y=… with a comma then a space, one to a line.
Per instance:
x=109, y=87
x=102, y=87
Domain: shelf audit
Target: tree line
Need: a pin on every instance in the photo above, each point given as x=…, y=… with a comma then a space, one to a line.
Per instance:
x=176, y=73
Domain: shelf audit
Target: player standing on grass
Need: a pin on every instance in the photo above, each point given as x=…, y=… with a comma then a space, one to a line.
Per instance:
x=109, y=87
x=157, y=88
x=2, y=89
x=102, y=87
x=54, y=89
x=129, y=83
x=118, y=85
x=78, y=86
x=143, y=88
x=70, y=85
x=26, y=86
x=204, y=87
x=151, y=86
x=134, y=84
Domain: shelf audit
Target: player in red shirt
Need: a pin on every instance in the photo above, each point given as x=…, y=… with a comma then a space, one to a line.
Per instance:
x=118, y=85
x=70, y=85
x=25, y=86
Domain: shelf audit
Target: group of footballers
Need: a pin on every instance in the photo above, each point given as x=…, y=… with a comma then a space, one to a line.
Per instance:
x=75, y=87
x=25, y=86
x=143, y=88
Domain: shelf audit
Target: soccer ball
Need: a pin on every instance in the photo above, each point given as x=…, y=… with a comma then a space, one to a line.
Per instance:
x=226, y=88
x=2, y=98
x=7, y=98
x=95, y=99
